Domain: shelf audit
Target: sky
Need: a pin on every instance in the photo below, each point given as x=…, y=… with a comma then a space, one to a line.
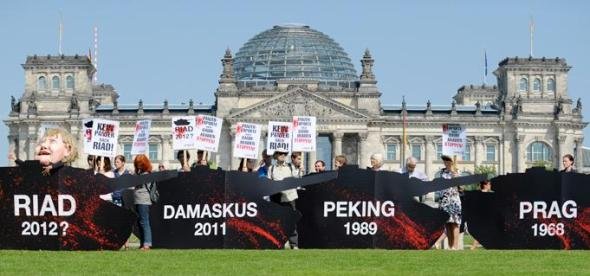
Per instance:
x=157, y=50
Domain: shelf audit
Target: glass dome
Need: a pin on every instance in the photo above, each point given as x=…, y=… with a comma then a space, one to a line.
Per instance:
x=293, y=52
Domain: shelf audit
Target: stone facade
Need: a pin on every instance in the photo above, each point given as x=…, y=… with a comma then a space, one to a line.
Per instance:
x=529, y=117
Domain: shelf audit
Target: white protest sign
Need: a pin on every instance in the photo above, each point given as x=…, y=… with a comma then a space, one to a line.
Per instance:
x=183, y=133
x=105, y=136
x=279, y=137
x=208, y=132
x=247, y=140
x=454, y=140
x=87, y=134
x=140, y=138
x=304, y=133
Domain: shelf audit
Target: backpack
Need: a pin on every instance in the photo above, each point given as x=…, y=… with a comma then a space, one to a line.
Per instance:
x=153, y=191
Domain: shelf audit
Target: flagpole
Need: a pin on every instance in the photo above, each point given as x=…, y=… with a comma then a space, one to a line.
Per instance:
x=61, y=30
x=404, y=132
x=531, y=31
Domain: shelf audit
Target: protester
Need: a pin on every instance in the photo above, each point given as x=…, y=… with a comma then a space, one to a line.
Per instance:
x=296, y=164
x=410, y=171
x=184, y=167
x=143, y=201
x=56, y=149
x=568, y=164
x=265, y=163
x=247, y=165
x=102, y=165
x=451, y=203
x=90, y=160
x=280, y=171
x=340, y=161
x=202, y=161
x=376, y=162
x=161, y=167
x=320, y=166
x=120, y=166
x=119, y=171
x=485, y=186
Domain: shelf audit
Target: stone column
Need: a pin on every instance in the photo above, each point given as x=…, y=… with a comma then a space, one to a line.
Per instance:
x=312, y=157
x=479, y=155
x=22, y=148
x=234, y=162
x=561, y=139
x=166, y=150
x=519, y=153
x=501, y=169
x=31, y=143
x=12, y=148
x=579, y=162
x=262, y=145
x=337, y=145
x=363, y=150
x=429, y=154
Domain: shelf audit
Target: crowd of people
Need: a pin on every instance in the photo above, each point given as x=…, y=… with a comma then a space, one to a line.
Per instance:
x=57, y=148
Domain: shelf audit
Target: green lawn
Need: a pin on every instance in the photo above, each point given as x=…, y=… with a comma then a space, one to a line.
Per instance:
x=304, y=262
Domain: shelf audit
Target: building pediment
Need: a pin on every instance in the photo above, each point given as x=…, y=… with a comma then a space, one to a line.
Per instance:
x=298, y=102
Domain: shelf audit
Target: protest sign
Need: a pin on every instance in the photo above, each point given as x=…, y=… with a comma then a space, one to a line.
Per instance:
x=304, y=133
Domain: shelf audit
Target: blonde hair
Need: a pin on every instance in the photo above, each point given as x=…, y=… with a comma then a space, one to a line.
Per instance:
x=69, y=141
x=341, y=159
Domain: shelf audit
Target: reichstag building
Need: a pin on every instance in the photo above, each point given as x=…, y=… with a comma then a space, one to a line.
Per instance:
x=528, y=117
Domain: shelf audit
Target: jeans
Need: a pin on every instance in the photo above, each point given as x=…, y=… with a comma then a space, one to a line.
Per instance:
x=145, y=230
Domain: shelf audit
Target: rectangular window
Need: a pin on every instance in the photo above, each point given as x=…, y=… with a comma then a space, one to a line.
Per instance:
x=467, y=153
x=127, y=152
x=438, y=151
x=490, y=152
x=417, y=151
x=153, y=151
x=391, y=150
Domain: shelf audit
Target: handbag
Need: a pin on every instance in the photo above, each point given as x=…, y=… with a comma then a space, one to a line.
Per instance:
x=153, y=191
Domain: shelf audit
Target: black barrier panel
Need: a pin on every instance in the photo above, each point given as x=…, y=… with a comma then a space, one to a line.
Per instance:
x=366, y=209
x=538, y=209
x=216, y=209
x=59, y=212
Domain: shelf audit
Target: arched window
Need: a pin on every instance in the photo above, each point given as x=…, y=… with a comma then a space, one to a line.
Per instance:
x=538, y=151
x=537, y=85
x=523, y=85
x=70, y=82
x=551, y=85
x=41, y=83
x=55, y=83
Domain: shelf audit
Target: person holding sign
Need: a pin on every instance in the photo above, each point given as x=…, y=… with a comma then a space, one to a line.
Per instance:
x=202, y=160
x=265, y=163
x=278, y=172
x=183, y=157
x=450, y=202
x=247, y=165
